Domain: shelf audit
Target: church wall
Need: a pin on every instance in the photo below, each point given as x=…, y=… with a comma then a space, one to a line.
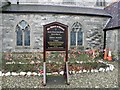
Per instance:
x=119, y=41
x=0, y=32
x=92, y=28
x=113, y=41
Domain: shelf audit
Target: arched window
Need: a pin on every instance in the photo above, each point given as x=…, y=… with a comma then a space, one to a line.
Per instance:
x=101, y=3
x=76, y=35
x=23, y=34
x=73, y=37
x=68, y=1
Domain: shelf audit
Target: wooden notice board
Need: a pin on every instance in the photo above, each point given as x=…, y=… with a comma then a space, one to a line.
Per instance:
x=55, y=39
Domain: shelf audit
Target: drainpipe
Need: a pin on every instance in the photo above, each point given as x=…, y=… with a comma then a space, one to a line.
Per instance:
x=104, y=40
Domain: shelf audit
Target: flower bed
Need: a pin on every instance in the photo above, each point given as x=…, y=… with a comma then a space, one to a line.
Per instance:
x=87, y=61
x=73, y=69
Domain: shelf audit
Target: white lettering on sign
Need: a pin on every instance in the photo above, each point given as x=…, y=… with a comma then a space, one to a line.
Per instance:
x=55, y=27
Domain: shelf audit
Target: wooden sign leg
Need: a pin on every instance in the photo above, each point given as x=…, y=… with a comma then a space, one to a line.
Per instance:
x=44, y=73
x=44, y=69
x=67, y=74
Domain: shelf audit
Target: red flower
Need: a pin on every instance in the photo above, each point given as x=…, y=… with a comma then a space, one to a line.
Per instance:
x=41, y=71
x=79, y=52
x=64, y=59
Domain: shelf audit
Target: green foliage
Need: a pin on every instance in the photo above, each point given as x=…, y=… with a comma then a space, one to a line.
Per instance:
x=19, y=67
x=83, y=57
x=55, y=61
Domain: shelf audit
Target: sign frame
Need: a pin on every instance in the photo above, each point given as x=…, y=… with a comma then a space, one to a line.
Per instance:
x=65, y=27
x=57, y=25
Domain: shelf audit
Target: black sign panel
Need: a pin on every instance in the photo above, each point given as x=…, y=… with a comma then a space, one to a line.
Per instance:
x=55, y=38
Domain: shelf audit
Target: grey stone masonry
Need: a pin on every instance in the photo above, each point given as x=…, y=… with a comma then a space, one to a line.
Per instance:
x=119, y=41
x=0, y=32
x=113, y=41
x=92, y=27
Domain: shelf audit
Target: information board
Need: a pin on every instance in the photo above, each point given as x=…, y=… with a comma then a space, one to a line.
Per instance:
x=55, y=37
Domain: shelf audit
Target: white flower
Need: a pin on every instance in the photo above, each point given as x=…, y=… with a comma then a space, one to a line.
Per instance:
x=49, y=74
x=96, y=86
x=62, y=72
x=0, y=73
x=77, y=72
x=84, y=70
x=92, y=70
x=96, y=70
x=88, y=71
x=8, y=63
x=19, y=62
x=13, y=62
x=34, y=73
x=7, y=74
x=107, y=69
x=14, y=74
x=3, y=74
x=70, y=72
x=101, y=69
x=73, y=72
x=32, y=62
x=107, y=64
x=29, y=73
x=55, y=73
x=100, y=61
x=49, y=61
x=22, y=73
x=111, y=67
x=80, y=71
x=77, y=61
x=39, y=74
x=81, y=62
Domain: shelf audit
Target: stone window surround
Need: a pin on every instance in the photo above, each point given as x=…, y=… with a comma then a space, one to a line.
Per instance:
x=77, y=36
x=23, y=46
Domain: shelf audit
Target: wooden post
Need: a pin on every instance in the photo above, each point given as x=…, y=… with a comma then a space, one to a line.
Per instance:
x=44, y=69
x=44, y=59
x=67, y=74
x=44, y=73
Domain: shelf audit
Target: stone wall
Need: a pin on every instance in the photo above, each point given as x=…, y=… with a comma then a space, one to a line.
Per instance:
x=113, y=41
x=81, y=3
x=0, y=32
x=91, y=26
x=119, y=41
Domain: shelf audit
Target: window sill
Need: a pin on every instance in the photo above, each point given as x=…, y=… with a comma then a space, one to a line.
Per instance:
x=80, y=47
x=22, y=47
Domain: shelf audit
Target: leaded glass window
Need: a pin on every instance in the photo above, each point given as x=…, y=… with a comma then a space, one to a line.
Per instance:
x=27, y=37
x=73, y=37
x=80, y=37
x=100, y=3
x=19, y=36
x=23, y=34
x=76, y=35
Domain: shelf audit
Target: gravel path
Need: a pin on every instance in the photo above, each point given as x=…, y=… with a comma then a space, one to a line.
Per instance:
x=84, y=80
